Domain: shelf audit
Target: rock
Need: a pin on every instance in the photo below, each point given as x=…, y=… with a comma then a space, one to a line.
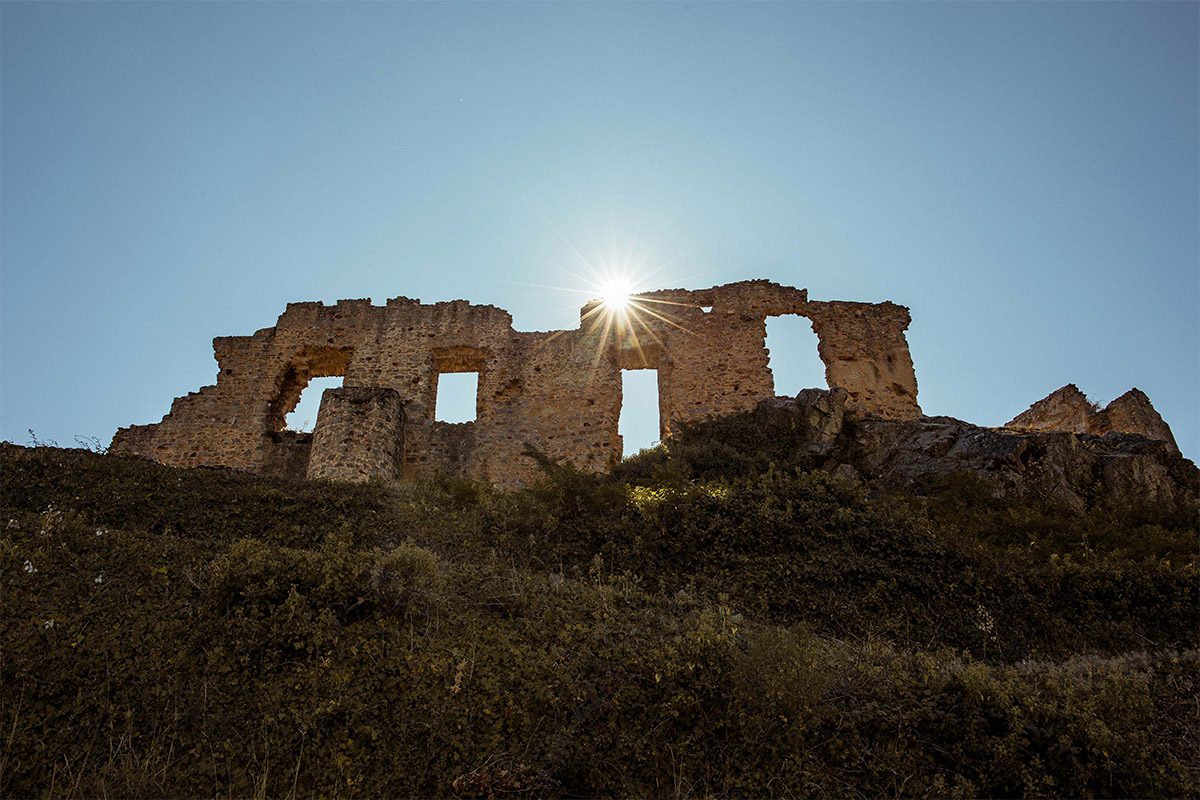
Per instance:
x=848, y=473
x=1067, y=469
x=816, y=415
x=1069, y=410
x=780, y=413
x=1133, y=413
x=1066, y=409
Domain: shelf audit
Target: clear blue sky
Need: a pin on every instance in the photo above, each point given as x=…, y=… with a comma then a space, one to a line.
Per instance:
x=1024, y=176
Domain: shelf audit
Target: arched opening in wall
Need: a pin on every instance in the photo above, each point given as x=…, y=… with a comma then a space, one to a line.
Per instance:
x=303, y=417
x=308, y=365
x=794, y=361
x=639, y=423
x=456, y=397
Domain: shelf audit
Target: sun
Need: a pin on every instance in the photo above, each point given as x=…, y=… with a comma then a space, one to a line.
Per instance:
x=615, y=295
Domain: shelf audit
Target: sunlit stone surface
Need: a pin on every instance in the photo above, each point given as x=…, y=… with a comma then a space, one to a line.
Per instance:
x=559, y=391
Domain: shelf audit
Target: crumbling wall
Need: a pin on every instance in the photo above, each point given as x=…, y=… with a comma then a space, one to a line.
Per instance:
x=559, y=391
x=708, y=346
x=289, y=454
x=866, y=353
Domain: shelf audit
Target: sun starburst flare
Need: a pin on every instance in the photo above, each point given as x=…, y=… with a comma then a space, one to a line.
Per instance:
x=620, y=315
x=616, y=295
x=627, y=318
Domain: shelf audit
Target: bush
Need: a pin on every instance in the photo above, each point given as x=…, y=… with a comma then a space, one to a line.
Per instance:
x=774, y=632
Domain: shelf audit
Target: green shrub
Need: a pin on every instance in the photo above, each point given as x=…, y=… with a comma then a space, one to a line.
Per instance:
x=408, y=581
x=759, y=632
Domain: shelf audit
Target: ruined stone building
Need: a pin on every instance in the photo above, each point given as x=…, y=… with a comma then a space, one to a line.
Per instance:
x=559, y=391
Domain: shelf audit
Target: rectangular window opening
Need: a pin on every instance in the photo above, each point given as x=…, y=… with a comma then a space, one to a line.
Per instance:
x=456, y=397
x=792, y=348
x=639, y=423
x=303, y=417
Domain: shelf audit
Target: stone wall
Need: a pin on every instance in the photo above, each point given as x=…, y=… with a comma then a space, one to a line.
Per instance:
x=288, y=454
x=866, y=353
x=559, y=391
x=359, y=435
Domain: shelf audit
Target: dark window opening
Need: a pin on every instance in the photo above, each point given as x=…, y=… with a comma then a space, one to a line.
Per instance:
x=793, y=355
x=639, y=421
x=456, y=397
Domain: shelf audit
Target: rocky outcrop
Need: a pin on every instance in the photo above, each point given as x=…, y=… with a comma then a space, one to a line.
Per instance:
x=1133, y=413
x=1069, y=469
x=814, y=417
x=1068, y=410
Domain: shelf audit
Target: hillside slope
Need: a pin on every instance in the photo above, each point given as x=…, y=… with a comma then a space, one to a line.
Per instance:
x=710, y=620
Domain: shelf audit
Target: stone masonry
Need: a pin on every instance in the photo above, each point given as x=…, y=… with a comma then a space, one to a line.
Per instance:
x=558, y=391
x=359, y=435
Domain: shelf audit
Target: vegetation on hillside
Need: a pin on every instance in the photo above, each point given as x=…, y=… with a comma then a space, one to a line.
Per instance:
x=711, y=619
